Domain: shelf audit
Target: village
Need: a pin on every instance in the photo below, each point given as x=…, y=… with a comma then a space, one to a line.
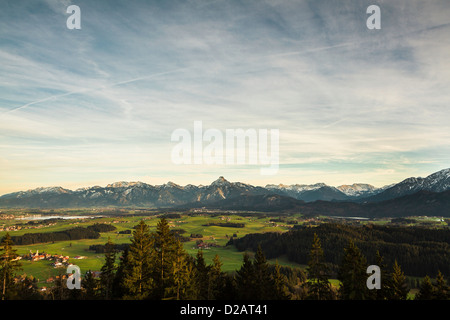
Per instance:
x=58, y=260
x=27, y=225
x=20, y=227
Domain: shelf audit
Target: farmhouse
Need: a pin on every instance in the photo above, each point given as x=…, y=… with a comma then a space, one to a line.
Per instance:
x=204, y=245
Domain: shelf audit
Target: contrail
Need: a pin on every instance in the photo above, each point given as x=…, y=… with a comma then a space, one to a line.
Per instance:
x=312, y=50
x=94, y=89
x=39, y=101
x=148, y=77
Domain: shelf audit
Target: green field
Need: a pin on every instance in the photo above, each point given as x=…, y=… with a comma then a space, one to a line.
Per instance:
x=127, y=219
x=191, y=224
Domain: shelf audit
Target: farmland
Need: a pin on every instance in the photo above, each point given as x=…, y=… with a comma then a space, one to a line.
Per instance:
x=210, y=231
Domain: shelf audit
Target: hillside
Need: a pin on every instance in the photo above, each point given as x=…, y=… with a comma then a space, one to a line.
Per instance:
x=407, y=245
x=422, y=203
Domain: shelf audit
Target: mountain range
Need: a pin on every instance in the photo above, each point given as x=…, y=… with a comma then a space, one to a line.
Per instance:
x=224, y=194
x=422, y=203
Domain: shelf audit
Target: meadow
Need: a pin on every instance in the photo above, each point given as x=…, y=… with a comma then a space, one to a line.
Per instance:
x=215, y=236
x=207, y=227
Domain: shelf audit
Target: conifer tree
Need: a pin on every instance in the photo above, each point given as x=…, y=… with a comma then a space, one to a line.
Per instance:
x=319, y=288
x=442, y=290
x=352, y=274
x=119, y=288
x=385, y=292
x=108, y=270
x=263, y=282
x=181, y=274
x=229, y=291
x=245, y=280
x=202, y=282
x=279, y=280
x=90, y=286
x=137, y=276
x=399, y=290
x=163, y=257
x=8, y=267
x=216, y=279
x=426, y=290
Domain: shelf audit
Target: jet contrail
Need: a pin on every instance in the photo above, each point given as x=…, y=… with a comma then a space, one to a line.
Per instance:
x=94, y=89
x=39, y=101
x=311, y=50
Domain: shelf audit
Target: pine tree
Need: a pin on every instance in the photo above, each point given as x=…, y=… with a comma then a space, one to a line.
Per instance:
x=90, y=286
x=163, y=258
x=426, y=290
x=119, y=288
x=352, y=274
x=137, y=277
x=319, y=288
x=229, y=291
x=108, y=270
x=181, y=274
x=281, y=291
x=8, y=267
x=216, y=279
x=442, y=290
x=399, y=290
x=264, y=285
x=385, y=292
x=201, y=276
x=245, y=279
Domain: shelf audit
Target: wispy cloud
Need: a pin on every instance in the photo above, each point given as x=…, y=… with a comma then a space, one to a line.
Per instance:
x=93, y=90
x=346, y=99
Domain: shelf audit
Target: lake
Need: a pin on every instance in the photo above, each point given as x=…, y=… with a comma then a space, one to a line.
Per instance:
x=57, y=217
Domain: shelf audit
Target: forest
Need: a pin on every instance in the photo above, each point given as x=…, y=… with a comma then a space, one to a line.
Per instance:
x=90, y=232
x=155, y=266
x=226, y=224
x=407, y=245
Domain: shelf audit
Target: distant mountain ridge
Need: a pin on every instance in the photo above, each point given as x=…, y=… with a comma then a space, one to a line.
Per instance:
x=128, y=194
x=170, y=195
x=422, y=203
x=436, y=182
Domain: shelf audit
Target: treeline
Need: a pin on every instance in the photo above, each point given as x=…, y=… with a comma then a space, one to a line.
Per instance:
x=284, y=220
x=102, y=227
x=225, y=224
x=77, y=233
x=403, y=220
x=156, y=266
x=420, y=251
x=170, y=216
x=101, y=248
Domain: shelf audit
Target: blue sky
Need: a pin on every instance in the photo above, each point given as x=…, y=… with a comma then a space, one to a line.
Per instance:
x=98, y=105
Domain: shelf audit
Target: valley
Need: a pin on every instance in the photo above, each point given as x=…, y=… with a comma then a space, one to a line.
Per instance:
x=52, y=228
x=214, y=237
x=209, y=230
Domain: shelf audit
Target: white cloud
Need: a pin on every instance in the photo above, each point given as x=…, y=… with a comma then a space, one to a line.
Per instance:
x=131, y=76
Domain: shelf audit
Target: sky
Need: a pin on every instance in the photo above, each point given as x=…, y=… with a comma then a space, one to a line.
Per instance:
x=96, y=105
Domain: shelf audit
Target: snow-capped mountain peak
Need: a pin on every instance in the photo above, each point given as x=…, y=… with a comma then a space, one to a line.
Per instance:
x=221, y=181
x=170, y=194
x=296, y=187
x=435, y=182
x=124, y=184
x=357, y=189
